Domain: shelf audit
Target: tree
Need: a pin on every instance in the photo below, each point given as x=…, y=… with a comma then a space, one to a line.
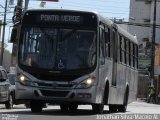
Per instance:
x=7, y=59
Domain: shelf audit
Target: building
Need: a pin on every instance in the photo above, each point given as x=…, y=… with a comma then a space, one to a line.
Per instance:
x=141, y=21
x=141, y=12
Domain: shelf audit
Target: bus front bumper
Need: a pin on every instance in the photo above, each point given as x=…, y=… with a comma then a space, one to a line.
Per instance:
x=28, y=93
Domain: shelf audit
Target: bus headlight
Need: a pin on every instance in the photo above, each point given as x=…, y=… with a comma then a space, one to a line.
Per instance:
x=24, y=80
x=87, y=83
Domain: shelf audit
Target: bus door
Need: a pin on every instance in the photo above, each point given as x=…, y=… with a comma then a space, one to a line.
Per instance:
x=114, y=39
x=101, y=61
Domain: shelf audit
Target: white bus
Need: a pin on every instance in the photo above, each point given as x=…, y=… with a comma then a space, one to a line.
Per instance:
x=71, y=57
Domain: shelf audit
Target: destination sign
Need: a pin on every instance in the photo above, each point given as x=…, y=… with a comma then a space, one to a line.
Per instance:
x=61, y=18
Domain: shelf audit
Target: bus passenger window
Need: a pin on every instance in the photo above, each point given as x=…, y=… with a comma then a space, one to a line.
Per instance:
x=125, y=49
x=133, y=56
x=120, y=48
x=102, y=47
x=107, y=42
x=136, y=56
x=114, y=45
x=129, y=53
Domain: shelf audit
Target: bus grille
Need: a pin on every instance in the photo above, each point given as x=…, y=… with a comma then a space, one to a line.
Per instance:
x=51, y=77
x=54, y=93
x=57, y=85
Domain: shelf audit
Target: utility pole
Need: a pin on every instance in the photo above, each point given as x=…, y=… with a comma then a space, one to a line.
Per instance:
x=26, y=5
x=3, y=34
x=16, y=20
x=153, y=43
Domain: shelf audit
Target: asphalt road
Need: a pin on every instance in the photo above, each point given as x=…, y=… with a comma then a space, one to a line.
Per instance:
x=84, y=113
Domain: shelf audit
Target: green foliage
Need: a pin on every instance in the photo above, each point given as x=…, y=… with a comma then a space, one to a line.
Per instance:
x=6, y=52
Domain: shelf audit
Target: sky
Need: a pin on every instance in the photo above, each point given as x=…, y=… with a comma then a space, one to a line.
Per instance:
x=118, y=9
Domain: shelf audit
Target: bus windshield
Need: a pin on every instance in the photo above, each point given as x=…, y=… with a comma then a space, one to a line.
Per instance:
x=57, y=48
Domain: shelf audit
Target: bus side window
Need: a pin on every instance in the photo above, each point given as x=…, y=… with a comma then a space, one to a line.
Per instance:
x=120, y=48
x=102, y=46
x=111, y=45
x=133, y=56
x=107, y=42
x=114, y=45
x=131, y=53
x=136, y=56
x=125, y=51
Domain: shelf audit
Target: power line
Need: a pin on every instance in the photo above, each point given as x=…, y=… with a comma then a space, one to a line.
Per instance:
x=91, y=4
x=115, y=1
x=101, y=9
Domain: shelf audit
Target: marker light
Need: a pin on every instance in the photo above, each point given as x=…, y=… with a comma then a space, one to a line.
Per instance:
x=25, y=81
x=22, y=78
x=87, y=83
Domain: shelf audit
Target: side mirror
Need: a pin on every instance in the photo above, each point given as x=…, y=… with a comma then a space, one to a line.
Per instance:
x=13, y=35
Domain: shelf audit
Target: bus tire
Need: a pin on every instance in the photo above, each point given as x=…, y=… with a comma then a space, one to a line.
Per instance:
x=112, y=108
x=98, y=108
x=123, y=108
x=36, y=106
x=64, y=107
x=106, y=93
x=73, y=108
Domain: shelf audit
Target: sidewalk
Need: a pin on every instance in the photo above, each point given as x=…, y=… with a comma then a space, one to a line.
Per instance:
x=141, y=99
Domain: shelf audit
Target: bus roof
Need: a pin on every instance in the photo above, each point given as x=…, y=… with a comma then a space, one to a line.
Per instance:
x=100, y=17
x=127, y=34
x=63, y=10
x=119, y=28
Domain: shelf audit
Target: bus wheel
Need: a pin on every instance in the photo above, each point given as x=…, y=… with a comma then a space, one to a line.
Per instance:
x=64, y=107
x=73, y=108
x=98, y=108
x=112, y=108
x=123, y=108
x=36, y=106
